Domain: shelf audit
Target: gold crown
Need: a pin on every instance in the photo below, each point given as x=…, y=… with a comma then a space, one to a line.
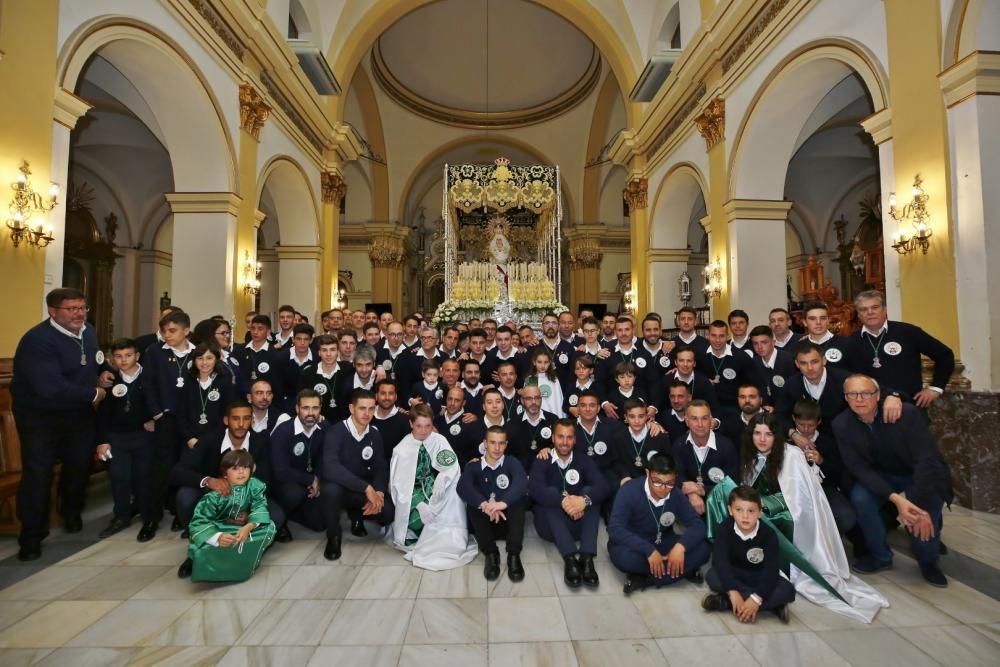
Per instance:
x=501, y=162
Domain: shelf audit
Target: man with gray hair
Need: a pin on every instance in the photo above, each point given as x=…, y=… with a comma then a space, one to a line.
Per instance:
x=897, y=463
x=427, y=348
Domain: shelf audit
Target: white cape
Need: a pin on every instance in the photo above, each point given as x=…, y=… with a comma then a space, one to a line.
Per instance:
x=816, y=535
x=444, y=542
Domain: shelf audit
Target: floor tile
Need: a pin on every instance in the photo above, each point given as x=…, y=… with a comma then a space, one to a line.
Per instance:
x=634, y=653
x=369, y=623
x=669, y=613
x=686, y=651
x=168, y=586
x=803, y=649
x=50, y=583
x=104, y=552
x=448, y=621
x=178, y=656
x=270, y=656
x=603, y=618
x=88, y=657
x=537, y=582
x=459, y=655
x=54, y=624
x=526, y=620
x=23, y=657
x=611, y=580
x=991, y=630
x=878, y=647
x=12, y=611
x=160, y=552
x=315, y=582
x=290, y=623
x=907, y=610
x=964, y=603
x=263, y=585
x=351, y=553
x=535, y=654
x=292, y=553
x=131, y=623
x=384, y=582
x=818, y=618
x=383, y=554
x=369, y=656
x=211, y=623
x=460, y=582
x=767, y=622
x=534, y=551
x=954, y=645
x=119, y=583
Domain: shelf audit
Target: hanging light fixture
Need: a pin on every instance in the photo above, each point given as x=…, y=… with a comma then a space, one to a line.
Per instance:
x=712, y=273
x=916, y=213
x=251, y=275
x=25, y=203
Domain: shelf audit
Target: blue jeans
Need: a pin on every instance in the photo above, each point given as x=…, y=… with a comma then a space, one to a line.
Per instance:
x=868, y=507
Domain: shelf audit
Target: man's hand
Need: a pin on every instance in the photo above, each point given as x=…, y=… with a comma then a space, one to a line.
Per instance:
x=687, y=488
x=379, y=374
x=657, y=564
x=697, y=503
x=610, y=411
x=468, y=418
x=544, y=453
x=312, y=491
x=916, y=520
x=191, y=442
x=668, y=346
x=675, y=561
x=603, y=353
x=103, y=451
x=574, y=506
x=105, y=379
x=99, y=396
x=892, y=408
x=736, y=602
x=226, y=540
x=655, y=428
x=748, y=611
x=218, y=485
x=150, y=426
x=924, y=398
x=375, y=499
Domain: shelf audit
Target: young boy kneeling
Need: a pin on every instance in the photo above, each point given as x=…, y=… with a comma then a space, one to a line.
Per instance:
x=229, y=533
x=745, y=577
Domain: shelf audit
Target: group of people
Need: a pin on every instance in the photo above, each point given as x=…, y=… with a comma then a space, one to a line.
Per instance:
x=764, y=444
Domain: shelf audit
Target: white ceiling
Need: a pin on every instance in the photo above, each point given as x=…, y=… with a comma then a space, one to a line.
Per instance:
x=439, y=52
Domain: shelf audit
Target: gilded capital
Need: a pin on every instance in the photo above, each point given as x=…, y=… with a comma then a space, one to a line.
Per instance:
x=585, y=253
x=386, y=252
x=635, y=194
x=712, y=122
x=333, y=187
x=253, y=110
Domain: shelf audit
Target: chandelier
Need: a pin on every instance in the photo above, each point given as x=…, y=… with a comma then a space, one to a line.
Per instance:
x=916, y=213
x=25, y=203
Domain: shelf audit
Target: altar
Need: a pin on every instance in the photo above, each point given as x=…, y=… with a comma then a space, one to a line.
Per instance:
x=502, y=232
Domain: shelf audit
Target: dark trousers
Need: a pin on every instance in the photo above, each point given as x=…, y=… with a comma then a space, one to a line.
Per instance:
x=630, y=561
x=164, y=457
x=487, y=533
x=334, y=497
x=868, y=508
x=554, y=525
x=188, y=497
x=843, y=512
x=298, y=506
x=783, y=593
x=47, y=437
x=131, y=471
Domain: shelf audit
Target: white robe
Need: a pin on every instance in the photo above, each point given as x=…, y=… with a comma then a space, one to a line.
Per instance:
x=816, y=535
x=444, y=542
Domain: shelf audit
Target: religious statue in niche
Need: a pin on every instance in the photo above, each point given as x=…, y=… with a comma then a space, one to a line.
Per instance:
x=499, y=245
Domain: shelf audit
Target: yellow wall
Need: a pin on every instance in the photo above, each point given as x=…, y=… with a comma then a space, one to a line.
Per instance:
x=27, y=85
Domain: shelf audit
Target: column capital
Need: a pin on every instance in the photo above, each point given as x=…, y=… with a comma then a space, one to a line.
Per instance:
x=712, y=122
x=69, y=108
x=203, y=202
x=253, y=110
x=756, y=209
x=976, y=74
x=879, y=125
x=636, y=194
x=258, y=218
x=333, y=187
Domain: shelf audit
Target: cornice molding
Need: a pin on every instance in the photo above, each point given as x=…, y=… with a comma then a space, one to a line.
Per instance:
x=756, y=209
x=879, y=125
x=976, y=74
x=299, y=252
x=668, y=255
x=203, y=202
x=69, y=108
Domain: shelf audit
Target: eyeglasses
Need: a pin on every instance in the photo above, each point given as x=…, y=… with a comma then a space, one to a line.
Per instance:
x=428, y=338
x=661, y=485
x=227, y=334
x=863, y=395
x=75, y=309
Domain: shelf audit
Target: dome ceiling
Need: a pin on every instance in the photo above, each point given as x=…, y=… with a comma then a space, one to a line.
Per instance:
x=434, y=61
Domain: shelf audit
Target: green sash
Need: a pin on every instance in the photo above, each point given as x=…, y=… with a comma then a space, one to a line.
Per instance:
x=423, y=487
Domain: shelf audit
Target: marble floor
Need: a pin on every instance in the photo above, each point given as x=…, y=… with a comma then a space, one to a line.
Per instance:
x=118, y=602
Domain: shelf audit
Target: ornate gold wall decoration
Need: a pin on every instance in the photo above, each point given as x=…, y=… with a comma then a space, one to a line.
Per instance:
x=215, y=22
x=750, y=35
x=678, y=119
x=712, y=122
x=286, y=106
x=387, y=252
x=253, y=110
x=585, y=254
x=333, y=187
x=635, y=194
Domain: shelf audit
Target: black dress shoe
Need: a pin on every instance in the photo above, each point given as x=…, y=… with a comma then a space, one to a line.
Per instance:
x=283, y=535
x=184, y=571
x=695, y=577
x=73, y=524
x=589, y=573
x=116, y=526
x=185, y=534
x=716, y=602
x=783, y=614
x=571, y=573
x=515, y=570
x=636, y=582
x=29, y=552
x=147, y=532
x=491, y=570
x=332, y=550
x=358, y=529
x=176, y=525
x=933, y=575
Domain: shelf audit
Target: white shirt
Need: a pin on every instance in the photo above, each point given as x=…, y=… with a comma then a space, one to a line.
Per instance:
x=205, y=384
x=63, y=330
x=727, y=352
x=309, y=357
x=265, y=346
x=319, y=371
x=702, y=452
x=484, y=465
x=450, y=418
x=472, y=390
x=641, y=435
x=626, y=394
x=299, y=427
x=558, y=461
x=650, y=498
x=746, y=538
x=597, y=420
x=260, y=425
x=882, y=329
x=769, y=362
x=510, y=355
x=619, y=348
x=815, y=390
x=827, y=336
x=129, y=379
x=358, y=384
x=227, y=444
x=525, y=418
x=686, y=341
x=653, y=351
x=178, y=352
x=783, y=343
x=281, y=341
x=354, y=431
x=392, y=413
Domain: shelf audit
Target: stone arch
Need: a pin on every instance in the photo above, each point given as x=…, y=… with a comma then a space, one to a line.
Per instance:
x=673, y=204
x=294, y=198
x=973, y=25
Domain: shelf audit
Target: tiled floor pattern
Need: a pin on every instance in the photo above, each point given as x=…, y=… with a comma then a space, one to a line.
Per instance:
x=118, y=602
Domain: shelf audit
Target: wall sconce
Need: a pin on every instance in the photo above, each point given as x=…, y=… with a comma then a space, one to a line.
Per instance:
x=684, y=288
x=713, y=279
x=916, y=212
x=340, y=301
x=628, y=299
x=251, y=275
x=25, y=203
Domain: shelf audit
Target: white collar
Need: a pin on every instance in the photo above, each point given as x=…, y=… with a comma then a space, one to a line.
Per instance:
x=629, y=394
x=710, y=444
x=392, y=413
x=652, y=351
x=421, y=353
x=354, y=432
x=584, y=387
x=631, y=348
x=552, y=347
x=486, y=421
x=512, y=354
x=410, y=343
x=882, y=329
x=178, y=352
x=740, y=343
x=481, y=359
x=678, y=416
x=129, y=379
x=457, y=415
x=558, y=461
x=784, y=342
x=279, y=339
x=744, y=419
x=206, y=385
x=429, y=387
x=687, y=341
x=358, y=384
x=678, y=376
x=510, y=397
x=472, y=390
x=642, y=435
x=819, y=385
x=651, y=499
x=299, y=427
x=259, y=424
x=770, y=361
x=484, y=465
x=293, y=357
x=728, y=352
x=319, y=370
x=827, y=336
x=746, y=538
x=227, y=444
x=63, y=330
x=588, y=350
x=541, y=416
x=398, y=350
x=579, y=421
x=265, y=346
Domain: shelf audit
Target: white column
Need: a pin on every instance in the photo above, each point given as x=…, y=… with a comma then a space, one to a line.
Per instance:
x=203, y=279
x=298, y=278
x=665, y=269
x=125, y=286
x=879, y=126
x=756, y=230
x=269, y=282
x=974, y=142
x=67, y=110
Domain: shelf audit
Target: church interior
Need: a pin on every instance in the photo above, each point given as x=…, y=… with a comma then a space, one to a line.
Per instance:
x=229, y=156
